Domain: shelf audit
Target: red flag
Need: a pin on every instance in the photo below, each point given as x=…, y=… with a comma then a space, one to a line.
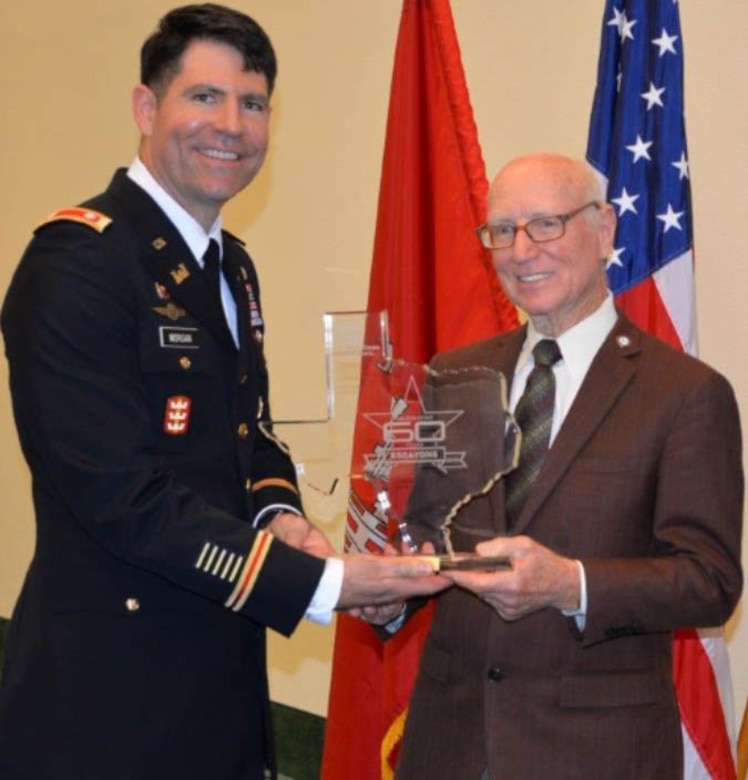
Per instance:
x=638, y=144
x=440, y=290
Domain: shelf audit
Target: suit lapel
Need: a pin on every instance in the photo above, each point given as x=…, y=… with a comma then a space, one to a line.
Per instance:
x=237, y=277
x=245, y=289
x=608, y=376
x=182, y=276
x=167, y=257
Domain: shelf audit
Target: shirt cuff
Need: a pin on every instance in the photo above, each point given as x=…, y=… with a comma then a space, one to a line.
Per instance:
x=265, y=515
x=580, y=613
x=396, y=623
x=325, y=599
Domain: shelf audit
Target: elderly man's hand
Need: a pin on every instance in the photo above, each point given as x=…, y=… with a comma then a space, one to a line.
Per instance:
x=538, y=578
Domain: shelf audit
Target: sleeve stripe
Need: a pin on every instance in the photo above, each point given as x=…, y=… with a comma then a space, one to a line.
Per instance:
x=274, y=482
x=212, y=555
x=226, y=568
x=219, y=561
x=237, y=566
x=201, y=557
x=251, y=571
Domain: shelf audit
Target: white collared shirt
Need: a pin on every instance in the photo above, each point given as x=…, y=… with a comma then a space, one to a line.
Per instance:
x=578, y=346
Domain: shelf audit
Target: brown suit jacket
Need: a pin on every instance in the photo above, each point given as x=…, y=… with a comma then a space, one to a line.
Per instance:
x=644, y=485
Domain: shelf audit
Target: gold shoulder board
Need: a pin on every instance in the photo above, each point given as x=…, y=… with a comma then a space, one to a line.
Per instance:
x=93, y=219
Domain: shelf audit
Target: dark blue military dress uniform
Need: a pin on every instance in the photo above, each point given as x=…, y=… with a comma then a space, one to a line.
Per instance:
x=137, y=648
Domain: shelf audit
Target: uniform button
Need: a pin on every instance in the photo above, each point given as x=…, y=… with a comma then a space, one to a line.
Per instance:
x=243, y=430
x=495, y=674
x=132, y=605
x=185, y=362
x=248, y=485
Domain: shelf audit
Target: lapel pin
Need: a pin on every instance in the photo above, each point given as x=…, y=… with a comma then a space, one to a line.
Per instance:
x=158, y=243
x=171, y=311
x=623, y=341
x=180, y=273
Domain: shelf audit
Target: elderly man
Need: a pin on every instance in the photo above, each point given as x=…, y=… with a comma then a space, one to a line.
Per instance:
x=622, y=520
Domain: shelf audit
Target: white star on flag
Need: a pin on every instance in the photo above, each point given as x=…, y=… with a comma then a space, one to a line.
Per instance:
x=640, y=149
x=625, y=202
x=665, y=43
x=682, y=166
x=615, y=257
x=653, y=96
x=626, y=28
x=671, y=218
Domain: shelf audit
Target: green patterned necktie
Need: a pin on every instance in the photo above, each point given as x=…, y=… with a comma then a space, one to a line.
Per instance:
x=534, y=415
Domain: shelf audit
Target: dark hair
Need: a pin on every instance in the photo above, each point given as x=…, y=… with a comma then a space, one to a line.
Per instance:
x=161, y=54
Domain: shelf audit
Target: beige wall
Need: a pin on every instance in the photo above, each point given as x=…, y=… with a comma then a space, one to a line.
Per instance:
x=66, y=70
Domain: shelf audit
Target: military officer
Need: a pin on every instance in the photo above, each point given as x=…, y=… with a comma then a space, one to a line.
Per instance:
x=170, y=532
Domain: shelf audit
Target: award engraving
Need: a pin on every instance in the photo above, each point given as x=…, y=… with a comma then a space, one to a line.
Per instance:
x=443, y=440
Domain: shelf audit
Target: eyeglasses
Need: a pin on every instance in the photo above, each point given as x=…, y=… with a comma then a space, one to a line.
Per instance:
x=501, y=235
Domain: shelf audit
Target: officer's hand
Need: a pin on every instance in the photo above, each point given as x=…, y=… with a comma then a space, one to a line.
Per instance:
x=381, y=614
x=375, y=580
x=298, y=532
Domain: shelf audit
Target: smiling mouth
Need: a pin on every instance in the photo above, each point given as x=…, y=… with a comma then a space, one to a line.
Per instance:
x=218, y=154
x=532, y=277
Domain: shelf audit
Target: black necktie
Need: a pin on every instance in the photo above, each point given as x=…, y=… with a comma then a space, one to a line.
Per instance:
x=212, y=269
x=534, y=415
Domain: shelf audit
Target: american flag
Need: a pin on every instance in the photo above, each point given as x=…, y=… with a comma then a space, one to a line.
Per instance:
x=637, y=142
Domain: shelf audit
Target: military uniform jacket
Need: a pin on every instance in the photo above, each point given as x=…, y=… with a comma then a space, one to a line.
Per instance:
x=643, y=483
x=137, y=647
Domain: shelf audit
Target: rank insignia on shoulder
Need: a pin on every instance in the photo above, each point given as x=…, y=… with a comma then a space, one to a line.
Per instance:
x=177, y=415
x=93, y=219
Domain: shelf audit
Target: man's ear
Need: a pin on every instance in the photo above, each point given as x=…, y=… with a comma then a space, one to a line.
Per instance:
x=144, y=104
x=608, y=222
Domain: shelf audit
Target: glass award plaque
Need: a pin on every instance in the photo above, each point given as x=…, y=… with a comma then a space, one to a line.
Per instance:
x=418, y=446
